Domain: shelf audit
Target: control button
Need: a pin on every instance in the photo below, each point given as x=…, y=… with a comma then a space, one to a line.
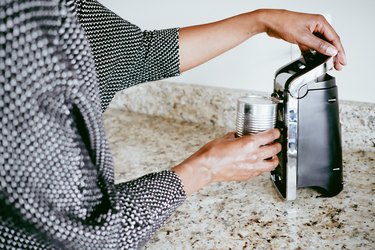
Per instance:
x=292, y=115
x=292, y=146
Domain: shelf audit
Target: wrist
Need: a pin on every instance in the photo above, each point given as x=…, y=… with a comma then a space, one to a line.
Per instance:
x=261, y=16
x=266, y=19
x=193, y=176
x=251, y=23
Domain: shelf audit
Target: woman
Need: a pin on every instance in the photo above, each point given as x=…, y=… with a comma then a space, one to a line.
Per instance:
x=61, y=64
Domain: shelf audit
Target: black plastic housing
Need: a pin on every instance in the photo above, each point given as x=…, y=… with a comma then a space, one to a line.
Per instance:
x=319, y=149
x=319, y=161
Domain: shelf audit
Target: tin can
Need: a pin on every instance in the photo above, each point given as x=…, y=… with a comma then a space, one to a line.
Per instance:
x=255, y=114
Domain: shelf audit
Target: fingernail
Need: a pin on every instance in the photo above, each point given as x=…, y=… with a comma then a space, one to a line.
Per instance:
x=332, y=51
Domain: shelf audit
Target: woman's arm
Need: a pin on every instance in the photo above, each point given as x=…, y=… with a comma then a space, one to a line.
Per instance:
x=201, y=43
x=125, y=55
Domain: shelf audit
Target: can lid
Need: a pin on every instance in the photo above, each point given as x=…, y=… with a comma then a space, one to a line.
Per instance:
x=262, y=100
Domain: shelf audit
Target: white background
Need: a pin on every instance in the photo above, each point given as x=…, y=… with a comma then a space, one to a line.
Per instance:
x=251, y=66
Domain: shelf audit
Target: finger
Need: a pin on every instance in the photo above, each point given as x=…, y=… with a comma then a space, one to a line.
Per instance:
x=268, y=151
x=314, y=42
x=340, y=60
x=328, y=33
x=326, y=48
x=331, y=36
x=262, y=166
x=271, y=164
x=304, y=49
x=338, y=66
x=267, y=137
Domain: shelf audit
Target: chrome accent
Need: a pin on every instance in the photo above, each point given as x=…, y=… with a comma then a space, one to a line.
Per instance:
x=291, y=117
x=313, y=74
x=276, y=187
x=280, y=81
x=332, y=100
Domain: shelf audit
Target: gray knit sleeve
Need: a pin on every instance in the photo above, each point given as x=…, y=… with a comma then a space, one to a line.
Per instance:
x=146, y=203
x=57, y=186
x=124, y=54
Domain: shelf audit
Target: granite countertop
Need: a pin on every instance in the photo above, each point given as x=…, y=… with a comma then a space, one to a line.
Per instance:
x=242, y=215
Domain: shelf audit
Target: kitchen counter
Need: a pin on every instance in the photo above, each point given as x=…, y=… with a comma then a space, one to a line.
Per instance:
x=240, y=215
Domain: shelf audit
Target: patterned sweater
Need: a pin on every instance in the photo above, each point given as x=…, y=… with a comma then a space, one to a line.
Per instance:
x=61, y=62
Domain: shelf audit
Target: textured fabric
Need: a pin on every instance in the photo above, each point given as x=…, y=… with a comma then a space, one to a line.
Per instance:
x=60, y=65
x=135, y=56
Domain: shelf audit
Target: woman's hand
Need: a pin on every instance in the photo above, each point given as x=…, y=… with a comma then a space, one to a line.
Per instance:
x=230, y=159
x=200, y=43
x=308, y=31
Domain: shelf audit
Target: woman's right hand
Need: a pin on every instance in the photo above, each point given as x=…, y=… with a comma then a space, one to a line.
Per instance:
x=200, y=43
x=308, y=31
x=230, y=159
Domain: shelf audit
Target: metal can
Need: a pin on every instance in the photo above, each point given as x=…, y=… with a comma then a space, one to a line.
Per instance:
x=255, y=114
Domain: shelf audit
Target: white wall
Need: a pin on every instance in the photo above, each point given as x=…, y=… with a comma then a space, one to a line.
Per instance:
x=252, y=64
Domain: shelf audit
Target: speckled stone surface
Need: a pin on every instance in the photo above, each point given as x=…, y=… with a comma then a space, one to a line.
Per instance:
x=217, y=106
x=240, y=215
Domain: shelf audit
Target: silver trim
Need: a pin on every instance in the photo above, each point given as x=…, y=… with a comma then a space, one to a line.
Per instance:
x=291, y=116
x=280, y=81
x=276, y=187
x=332, y=100
x=313, y=74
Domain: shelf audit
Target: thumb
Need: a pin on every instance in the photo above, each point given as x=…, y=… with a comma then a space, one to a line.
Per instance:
x=319, y=45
